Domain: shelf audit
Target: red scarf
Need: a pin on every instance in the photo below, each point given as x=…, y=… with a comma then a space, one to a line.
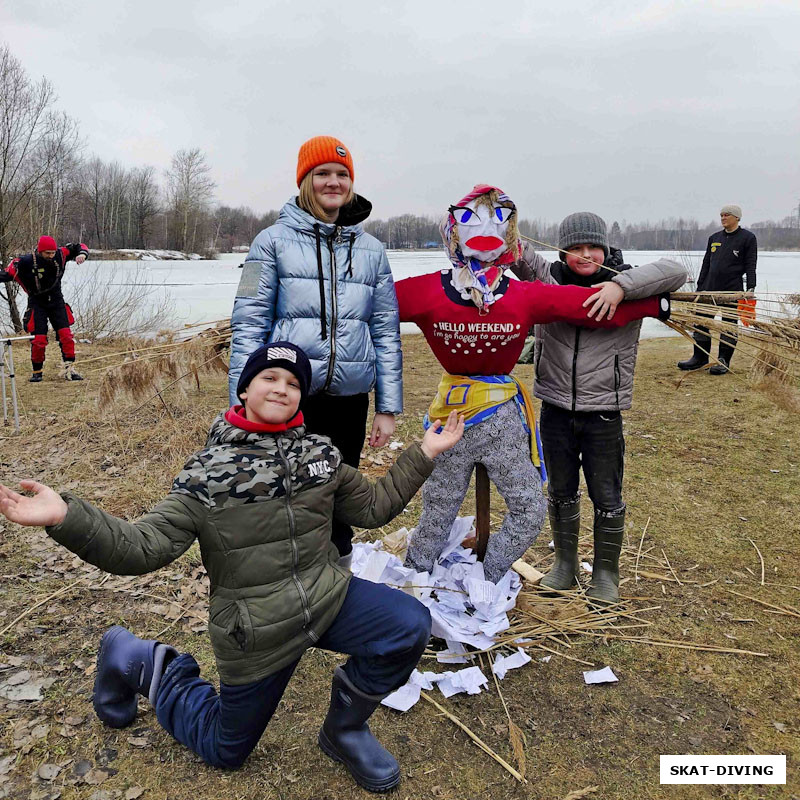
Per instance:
x=235, y=415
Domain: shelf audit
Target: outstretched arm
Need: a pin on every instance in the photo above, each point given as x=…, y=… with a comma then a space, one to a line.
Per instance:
x=532, y=266
x=635, y=283
x=554, y=303
x=369, y=505
x=75, y=252
x=107, y=542
x=9, y=273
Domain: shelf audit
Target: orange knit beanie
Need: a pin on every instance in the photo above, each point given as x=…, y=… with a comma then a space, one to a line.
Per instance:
x=322, y=150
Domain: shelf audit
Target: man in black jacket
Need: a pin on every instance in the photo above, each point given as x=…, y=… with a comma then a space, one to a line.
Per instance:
x=39, y=274
x=728, y=266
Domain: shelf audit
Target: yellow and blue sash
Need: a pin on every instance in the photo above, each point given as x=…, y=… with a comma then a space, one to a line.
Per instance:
x=477, y=397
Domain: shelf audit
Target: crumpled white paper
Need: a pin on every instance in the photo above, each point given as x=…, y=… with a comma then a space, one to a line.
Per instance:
x=502, y=664
x=470, y=680
x=465, y=608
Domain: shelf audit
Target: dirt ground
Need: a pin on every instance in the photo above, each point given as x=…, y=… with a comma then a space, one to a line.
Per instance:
x=711, y=471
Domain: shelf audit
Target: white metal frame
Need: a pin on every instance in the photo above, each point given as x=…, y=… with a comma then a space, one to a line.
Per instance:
x=6, y=343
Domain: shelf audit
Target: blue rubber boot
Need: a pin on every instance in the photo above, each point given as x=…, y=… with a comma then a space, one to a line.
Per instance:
x=346, y=737
x=127, y=666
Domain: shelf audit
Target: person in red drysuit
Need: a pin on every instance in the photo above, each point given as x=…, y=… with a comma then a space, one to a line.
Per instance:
x=39, y=274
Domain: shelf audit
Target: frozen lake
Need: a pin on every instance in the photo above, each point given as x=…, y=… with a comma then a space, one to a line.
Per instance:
x=203, y=291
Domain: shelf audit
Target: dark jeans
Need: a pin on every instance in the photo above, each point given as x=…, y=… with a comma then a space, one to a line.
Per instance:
x=726, y=340
x=589, y=439
x=383, y=630
x=343, y=418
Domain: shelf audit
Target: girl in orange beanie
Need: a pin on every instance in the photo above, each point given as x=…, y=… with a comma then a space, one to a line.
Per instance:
x=317, y=279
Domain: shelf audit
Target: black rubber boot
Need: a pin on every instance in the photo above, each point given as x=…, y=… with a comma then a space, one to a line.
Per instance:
x=127, y=666
x=609, y=528
x=35, y=378
x=565, y=524
x=698, y=360
x=725, y=356
x=346, y=737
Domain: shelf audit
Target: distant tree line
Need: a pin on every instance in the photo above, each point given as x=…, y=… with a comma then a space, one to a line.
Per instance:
x=409, y=231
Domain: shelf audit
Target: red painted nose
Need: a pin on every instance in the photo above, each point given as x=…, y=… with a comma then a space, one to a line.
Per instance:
x=484, y=242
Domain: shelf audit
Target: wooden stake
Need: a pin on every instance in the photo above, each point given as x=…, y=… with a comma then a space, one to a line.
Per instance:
x=481, y=509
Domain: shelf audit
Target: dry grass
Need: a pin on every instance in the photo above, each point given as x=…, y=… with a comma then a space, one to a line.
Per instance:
x=711, y=463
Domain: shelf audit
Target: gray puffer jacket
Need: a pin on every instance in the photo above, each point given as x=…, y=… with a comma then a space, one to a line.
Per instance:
x=328, y=289
x=585, y=369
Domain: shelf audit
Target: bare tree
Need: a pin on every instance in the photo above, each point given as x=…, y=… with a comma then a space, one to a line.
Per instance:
x=190, y=190
x=34, y=140
x=144, y=203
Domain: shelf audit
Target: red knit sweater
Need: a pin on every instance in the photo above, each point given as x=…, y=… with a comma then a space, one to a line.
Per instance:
x=467, y=342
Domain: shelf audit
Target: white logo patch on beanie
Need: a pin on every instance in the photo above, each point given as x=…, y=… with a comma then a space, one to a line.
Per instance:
x=340, y=151
x=283, y=353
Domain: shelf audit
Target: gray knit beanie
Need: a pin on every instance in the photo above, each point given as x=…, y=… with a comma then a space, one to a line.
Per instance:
x=732, y=209
x=582, y=227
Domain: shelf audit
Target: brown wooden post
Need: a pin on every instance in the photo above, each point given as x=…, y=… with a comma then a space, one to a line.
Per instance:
x=481, y=510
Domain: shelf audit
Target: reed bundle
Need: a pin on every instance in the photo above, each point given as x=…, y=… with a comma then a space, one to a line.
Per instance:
x=144, y=368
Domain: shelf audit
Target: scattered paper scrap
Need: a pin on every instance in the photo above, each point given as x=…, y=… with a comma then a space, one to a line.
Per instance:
x=604, y=675
x=470, y=680
x=402, y=699
x=502, y=664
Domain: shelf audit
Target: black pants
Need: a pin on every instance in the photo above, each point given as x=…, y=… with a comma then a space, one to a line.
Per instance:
x=382, y=630
x=589, y=439
x=726, y=340
x=343, y=418
x=42, y=308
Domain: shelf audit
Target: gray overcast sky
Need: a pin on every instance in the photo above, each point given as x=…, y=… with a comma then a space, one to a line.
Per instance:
x=635, y=110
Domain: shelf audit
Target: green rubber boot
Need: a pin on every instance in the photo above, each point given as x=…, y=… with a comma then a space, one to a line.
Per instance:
x=609, y=528
x=565, y=524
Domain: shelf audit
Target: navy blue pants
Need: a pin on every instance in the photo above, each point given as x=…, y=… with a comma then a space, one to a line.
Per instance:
x=589, y=439
x=383, y=630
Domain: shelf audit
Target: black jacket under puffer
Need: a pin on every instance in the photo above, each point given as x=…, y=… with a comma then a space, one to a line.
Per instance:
x=260, y=505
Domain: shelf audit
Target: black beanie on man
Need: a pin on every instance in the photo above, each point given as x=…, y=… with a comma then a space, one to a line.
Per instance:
x=582, y=227
x=277, y=354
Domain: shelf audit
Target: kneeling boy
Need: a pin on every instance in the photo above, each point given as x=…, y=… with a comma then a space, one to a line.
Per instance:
x=260, y=498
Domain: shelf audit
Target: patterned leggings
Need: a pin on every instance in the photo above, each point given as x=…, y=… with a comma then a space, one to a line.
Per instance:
x=501, y=444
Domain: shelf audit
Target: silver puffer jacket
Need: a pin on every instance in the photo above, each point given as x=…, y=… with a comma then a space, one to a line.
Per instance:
x=587, y=369
x=328, y=289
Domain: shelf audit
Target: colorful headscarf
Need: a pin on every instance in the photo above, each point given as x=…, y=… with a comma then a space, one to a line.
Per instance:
x=480, y=278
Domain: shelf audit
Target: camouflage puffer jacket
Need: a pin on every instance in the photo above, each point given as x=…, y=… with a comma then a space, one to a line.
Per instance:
x=261, y=506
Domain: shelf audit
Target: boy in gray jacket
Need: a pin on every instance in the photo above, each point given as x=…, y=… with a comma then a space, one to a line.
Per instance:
x=584, y=378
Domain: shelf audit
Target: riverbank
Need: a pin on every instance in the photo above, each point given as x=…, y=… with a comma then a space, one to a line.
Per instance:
x=129, y=254
x=711, y=479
